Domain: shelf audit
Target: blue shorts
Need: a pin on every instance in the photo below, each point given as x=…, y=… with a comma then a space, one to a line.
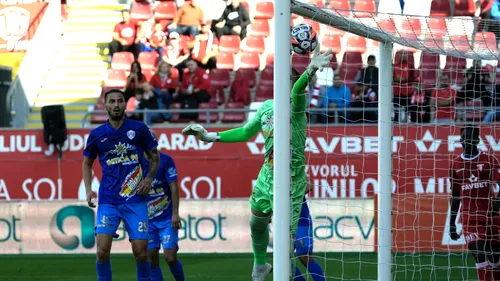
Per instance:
x=304, y=239
x=134, y=216
x=162, y=232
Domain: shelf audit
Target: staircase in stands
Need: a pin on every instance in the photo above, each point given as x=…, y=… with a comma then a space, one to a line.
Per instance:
x=81, y=64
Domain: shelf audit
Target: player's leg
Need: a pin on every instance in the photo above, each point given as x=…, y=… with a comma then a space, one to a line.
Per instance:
x=304, y=250
x=169, y=237
x=108, y=220
x=154, y=252
x=297, y=199
x=135, y=217
x=494, y=247
x=479, y=252
x=261, y=203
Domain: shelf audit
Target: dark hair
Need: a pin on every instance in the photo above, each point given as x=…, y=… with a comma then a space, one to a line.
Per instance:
x=140, y=69
x=370, y=57
x=474, y=135
x=112, y=91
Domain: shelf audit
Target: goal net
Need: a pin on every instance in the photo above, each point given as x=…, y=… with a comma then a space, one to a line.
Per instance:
x=440, y=74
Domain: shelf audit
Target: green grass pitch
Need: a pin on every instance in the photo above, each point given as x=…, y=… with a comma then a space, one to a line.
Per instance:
x=237, y=267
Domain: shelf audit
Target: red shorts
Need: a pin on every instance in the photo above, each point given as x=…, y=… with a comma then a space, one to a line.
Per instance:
x=477, y=231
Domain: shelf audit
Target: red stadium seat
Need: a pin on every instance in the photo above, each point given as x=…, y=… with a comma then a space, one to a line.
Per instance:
x=460, y=43
x=331, y=42
x=334, y=31
x=141, y=11
x=250, y=60
x=264, y=10
x=98, y=118
x=254, y=44
x=165, y=10
x=263, y=92
x=122, y=60
x=317, y=3
x=409, y=57
x=229, y=43
x=465, y=8
x=247, y=74
x=214, y=116
x=365, y=9
x=410, y=28
x=233, y=117
x=148, y=60
x=175, y=116
x=314, y=24
x=217, y=94
x=260, y=27
x=267, y=77
x=356, y=43
x=348, y=74
x=387, y=25
x=352, y=60
x=455, y=63
x=485, y=41
x=440, y=8
x=428, y=76
x=429, y=61
x=240, y=91
x=434, y=41
x=117, y=78
x=343, y=7
x=225, y=60
x=333, y=62
x=457, y=76
x=436, y=26
x=148, y=74
x=220, y=77
x=300, y=62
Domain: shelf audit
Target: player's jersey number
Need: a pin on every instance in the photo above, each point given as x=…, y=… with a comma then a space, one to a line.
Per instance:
x=143, y=227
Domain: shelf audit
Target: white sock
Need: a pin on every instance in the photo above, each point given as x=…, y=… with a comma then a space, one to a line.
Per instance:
x=258, y=267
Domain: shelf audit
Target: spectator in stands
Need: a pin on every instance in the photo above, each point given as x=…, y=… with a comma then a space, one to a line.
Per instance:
x=153, y=39
x=188, y=19
x=133, y=105
x=165, y=82
x=174, y=53
x=234, y=21
x=337, y=96
x=491, y=116
x=134, y=80
x=125, y=37
x=419, y=109
x=313, y=94
x=150, y=100
x=443, y=100
x=205, y=47
x=473, y=89
x=490, y=17
x=364, y=98
x=403, y=71
x=196, y=83
x=369, y=74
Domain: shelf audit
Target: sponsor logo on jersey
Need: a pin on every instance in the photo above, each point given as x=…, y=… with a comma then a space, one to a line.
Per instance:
x=129, y=186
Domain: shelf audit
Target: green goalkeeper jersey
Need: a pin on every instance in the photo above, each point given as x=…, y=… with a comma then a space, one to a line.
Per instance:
x=264, y=121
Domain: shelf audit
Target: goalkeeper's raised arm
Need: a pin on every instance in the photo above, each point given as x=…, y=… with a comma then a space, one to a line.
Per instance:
x=250, y=129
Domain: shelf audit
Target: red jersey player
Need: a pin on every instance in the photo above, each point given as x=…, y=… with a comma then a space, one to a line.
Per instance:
x=473, y=175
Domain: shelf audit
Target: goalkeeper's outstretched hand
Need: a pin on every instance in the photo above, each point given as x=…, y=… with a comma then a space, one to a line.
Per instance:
x=199, y=132
x=319, y=60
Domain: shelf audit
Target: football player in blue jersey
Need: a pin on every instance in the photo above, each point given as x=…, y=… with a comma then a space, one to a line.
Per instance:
x=120, y=144
x=164, y=220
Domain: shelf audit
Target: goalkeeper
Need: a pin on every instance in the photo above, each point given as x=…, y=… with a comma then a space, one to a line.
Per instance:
x=261, y=200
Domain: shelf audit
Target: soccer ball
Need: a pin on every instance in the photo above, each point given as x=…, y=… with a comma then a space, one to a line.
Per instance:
x=304, y=39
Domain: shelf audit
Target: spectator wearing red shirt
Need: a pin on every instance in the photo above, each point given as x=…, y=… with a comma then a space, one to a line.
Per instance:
x=165, y=82
x=125, y=37
x=196, y=83
x=403, y=71
x=174, y=53
x=153, y=38
x=205, y=48
x=443, y=101
x=134, y=80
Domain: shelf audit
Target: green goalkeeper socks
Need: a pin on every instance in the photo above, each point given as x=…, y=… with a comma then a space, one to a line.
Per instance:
x=260, y=238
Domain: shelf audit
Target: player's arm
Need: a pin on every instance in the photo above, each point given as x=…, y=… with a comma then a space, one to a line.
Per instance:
x=89, y=155
x=150, y=147
x=454, y=204
x=154, y=163
x=174, y=189
x=496, y=180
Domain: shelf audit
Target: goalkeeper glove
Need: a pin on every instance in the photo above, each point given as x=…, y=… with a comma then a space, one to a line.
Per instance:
x=199, y=132
x=319, y=61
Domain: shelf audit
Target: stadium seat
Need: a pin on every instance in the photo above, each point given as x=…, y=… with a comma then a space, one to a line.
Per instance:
x=217, y=94
x=457, y=76
x=436, y=26
x=148, y=74
x=331, y=42
x=267, y=77
x=429, y=61
x=214, y=116
x=455, y=63
x=263, y=92
x=460, y=43
x=148, y=60
x=427, y=76
x=300, y=62
x=355, y=43
x=229, y=43
x=485, y=42
x=475, y=111
x=240, y=91
x=247, y=74
x=269, y=59
x=342, y=7
x=220, y=77
x=365, y=9
x=141, y=11
x=333, y=62
x=254, y=44
x=330, y=30
x=233, y=117
x=410, y=28
x=175, y=116
x=409, y=56
x=465, y=8
x=122, y=60
x=387, y=25
x=434, y=41
x=165, y=11
x=225, y=60
x=250, y=60
x=264, y=10
x=117, y=78
x=98, y=118
x=440, y=8
x=260, y=27
x=347, y=73
x=317, y=3
x=352, y=60
x=314, y=24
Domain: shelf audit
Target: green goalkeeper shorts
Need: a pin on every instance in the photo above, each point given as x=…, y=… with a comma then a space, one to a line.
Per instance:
x=262, y=196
